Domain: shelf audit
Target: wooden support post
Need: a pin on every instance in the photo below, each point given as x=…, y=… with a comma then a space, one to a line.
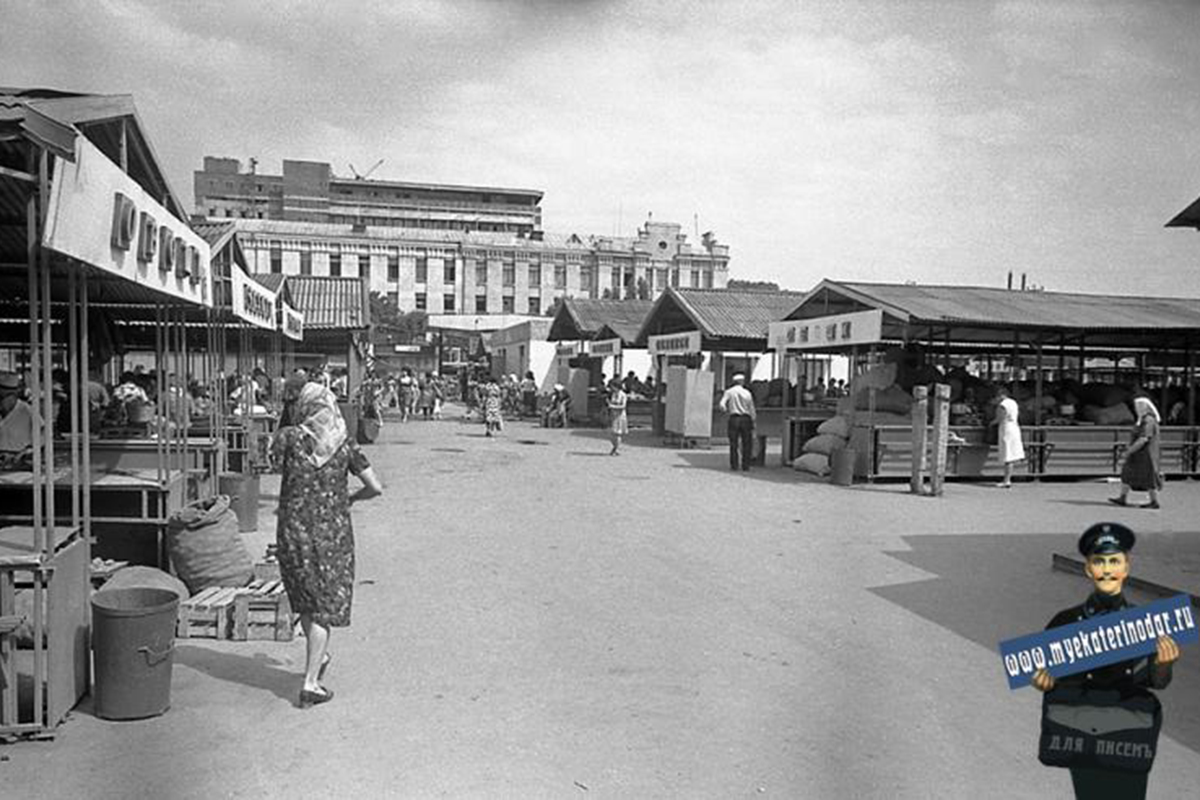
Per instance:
x=920, y=439
x=941, y=433
x=1038, y=384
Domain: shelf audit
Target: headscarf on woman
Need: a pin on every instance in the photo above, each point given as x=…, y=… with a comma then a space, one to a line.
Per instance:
x=319, y=417
x=1143, y=406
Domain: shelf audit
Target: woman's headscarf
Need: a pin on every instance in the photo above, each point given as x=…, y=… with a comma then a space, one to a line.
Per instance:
x=1143, y=406
x=320, y=418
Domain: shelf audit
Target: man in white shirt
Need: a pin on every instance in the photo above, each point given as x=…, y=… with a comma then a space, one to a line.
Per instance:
x=16, y=417
x=738, y=403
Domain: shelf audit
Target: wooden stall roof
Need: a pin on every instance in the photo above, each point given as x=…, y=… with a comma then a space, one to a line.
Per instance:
x=582, y=318
x=988, y=315
x=726, y=319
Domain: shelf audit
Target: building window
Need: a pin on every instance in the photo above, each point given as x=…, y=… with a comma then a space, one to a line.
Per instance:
x=422, y=269
x=481, y=304
x=616, y=281
x=276, y=260
x=695, y=279
x=448, y=271
x=212, y=212
x=421, y=302
x=305, y=262
x=560, y=276
x=481, y=274
x=393, y=267
x=507, y=304
x=675, y=278
x=509, y=275
x=662, y=280
x=335, y=264
x=535, y=275
x=448, y=303
x=708, y=284
x=394, y=298
x=534, y=306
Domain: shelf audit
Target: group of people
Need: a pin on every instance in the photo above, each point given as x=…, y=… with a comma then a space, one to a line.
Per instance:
x=412, y=395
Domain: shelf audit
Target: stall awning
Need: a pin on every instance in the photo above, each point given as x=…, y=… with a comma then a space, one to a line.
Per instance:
x=727, y=320
x=581, y=319
x=989, y=315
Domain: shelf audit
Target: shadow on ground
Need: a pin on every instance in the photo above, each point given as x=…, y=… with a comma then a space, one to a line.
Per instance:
x=991, y=587
x=258, y=671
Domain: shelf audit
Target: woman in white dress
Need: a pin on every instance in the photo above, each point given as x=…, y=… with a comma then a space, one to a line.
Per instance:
x=1008, y=436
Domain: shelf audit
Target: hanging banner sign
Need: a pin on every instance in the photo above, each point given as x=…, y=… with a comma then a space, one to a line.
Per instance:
x=840, y=330
x=291, y=322
x=675, y=344
x=99, y=215
x=252, y=301
x=566, y=349
x=605, y=347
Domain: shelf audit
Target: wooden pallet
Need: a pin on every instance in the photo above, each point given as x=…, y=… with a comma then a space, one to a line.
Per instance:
x=262, y=613
x=207, y=615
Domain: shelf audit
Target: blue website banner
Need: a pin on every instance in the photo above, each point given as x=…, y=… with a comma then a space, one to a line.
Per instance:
x=1098, y=641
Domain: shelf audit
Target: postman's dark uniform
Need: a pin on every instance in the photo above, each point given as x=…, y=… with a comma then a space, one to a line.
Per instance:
x=1125, y=684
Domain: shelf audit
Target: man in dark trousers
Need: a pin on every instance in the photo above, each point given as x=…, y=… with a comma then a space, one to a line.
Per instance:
x=1115, y=692
x=738, y=403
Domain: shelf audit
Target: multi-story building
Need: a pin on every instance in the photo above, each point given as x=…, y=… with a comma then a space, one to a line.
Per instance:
x=308, y=191
x=508, y=267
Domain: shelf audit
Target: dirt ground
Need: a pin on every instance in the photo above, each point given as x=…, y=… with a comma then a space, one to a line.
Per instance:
x=536, y=619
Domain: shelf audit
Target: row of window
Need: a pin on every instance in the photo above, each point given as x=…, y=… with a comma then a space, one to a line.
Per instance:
x=621, y=279
x=507, y=303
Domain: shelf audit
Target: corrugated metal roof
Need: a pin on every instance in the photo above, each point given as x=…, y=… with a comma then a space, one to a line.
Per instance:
x=330, y=303
x=582, y=318
x=215, y=233
x=722, y=313
x=994, y=307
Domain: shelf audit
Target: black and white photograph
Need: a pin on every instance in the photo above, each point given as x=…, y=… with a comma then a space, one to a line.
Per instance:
x=582, y=399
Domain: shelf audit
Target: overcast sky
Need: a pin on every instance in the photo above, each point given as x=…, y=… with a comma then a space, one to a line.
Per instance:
x=945, y=142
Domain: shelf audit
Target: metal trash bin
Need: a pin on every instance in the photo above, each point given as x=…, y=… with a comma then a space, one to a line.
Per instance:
x=242, y=491
x=133, y=645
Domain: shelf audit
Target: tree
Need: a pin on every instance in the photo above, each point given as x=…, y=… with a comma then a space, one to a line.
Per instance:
x=607, y=294
x=552, y=309
x=643, y=289
x=385, y=313
x=753, y=286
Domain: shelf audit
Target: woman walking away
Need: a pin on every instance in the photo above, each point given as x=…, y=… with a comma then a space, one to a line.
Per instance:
x=425, y=396
x=1012, y=449
x=1140, y=472
x=492, y=415
x=619, y=424
x=529, y=395
x=314, y=537
x=408, y=393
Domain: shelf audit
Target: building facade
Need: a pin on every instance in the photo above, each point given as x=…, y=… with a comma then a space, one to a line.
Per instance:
x=428, y=256
x=308, y=191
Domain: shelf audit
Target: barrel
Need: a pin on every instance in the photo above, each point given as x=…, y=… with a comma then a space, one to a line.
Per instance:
x=133, y=644
x=243, y=493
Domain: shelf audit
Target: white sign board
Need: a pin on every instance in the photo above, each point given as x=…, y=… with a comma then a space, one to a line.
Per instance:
x=605, y=347
x=567, y=349
x=99, y=215
x=252, y=301
x=291, y=322
x=675, y=344
x=839, y=330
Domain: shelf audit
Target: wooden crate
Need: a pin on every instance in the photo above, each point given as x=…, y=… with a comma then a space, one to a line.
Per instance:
x=262, y=612
x=207, y=615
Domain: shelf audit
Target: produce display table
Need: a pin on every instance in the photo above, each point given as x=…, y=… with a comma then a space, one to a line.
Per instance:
x=130, y=508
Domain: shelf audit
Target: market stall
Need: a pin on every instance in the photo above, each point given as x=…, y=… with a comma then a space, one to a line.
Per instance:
x=87, y=222
x=721, y=332
x=606, y=332
x=1044, y=347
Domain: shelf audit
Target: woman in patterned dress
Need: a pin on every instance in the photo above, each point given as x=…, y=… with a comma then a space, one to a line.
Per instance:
x=492, y=415
x=315, y=540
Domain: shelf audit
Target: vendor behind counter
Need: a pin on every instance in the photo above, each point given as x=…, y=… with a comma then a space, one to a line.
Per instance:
x=16, y=417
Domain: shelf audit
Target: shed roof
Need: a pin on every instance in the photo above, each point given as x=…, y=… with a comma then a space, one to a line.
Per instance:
x=981, y=313
x=723, y=316
x=330, y=303
x=583, y=318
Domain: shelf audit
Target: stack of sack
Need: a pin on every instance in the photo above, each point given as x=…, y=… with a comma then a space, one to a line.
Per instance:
x=832, y=435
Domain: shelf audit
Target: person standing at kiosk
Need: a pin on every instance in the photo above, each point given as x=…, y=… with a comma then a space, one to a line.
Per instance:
x=738, y=403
